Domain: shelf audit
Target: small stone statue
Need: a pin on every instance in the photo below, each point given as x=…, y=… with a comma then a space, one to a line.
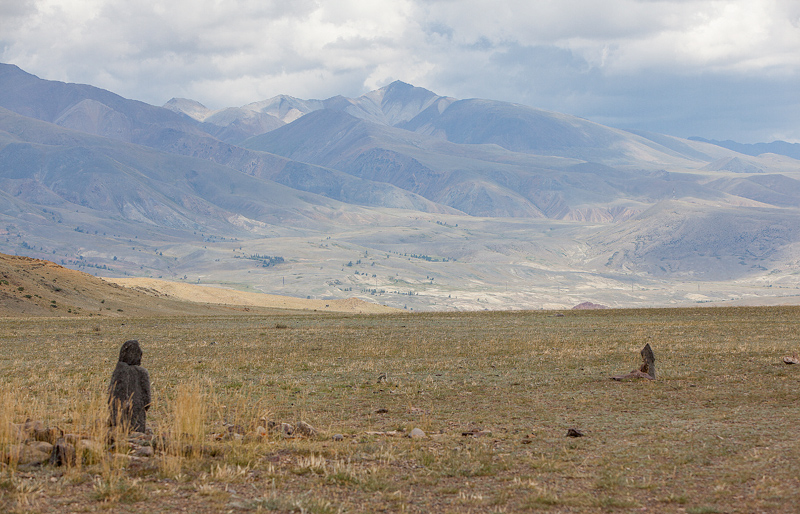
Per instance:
x=129, y=390
x=647, y=369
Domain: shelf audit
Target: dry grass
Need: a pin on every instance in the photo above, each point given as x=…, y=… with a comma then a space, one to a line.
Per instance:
x=717, y=432
x=222, y=296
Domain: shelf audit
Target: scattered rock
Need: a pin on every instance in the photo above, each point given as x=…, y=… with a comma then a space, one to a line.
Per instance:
x=228, y=436
x=305, y=430
x=381, y=411
x=74, y=438
x=791, y=360
x=287, y=429
x=139, y=439
x=89, y=450
x=252, y=437
x=31, y=429
x=32, y=454
x=574, y=432
x=647, y=370
x=31, y=426
x=51, y=435
x=143, y=451
x=261, y=431
x=417, y=433
x=43, y=446
x=390, y=433
x=63, y=454
x=382, y=378
x=338, y=437
x=528, y=439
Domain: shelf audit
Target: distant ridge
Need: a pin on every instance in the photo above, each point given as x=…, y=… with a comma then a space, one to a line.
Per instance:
x=402, y=196
x=779, y=147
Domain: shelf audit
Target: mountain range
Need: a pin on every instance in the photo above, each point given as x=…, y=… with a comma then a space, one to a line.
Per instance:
x=400, y=196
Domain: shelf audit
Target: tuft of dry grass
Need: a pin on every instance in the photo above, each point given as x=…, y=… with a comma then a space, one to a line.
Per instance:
x=10, y=436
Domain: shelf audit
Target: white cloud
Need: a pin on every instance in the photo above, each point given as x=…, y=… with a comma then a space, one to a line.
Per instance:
x=581, y=55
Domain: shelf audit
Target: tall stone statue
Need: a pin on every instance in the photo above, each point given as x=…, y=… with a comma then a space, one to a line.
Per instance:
x=129, y=390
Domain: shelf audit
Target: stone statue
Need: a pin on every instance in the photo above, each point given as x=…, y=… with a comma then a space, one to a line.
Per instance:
x=129, y=390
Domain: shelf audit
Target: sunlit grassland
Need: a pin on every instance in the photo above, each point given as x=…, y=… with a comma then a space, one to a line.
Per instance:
x=716, y=432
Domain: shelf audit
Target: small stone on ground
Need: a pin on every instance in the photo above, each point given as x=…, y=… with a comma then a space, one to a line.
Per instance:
x=417, y=433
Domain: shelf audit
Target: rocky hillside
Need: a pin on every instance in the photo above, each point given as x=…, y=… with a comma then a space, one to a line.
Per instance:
x=415, y=199
x=34, y=287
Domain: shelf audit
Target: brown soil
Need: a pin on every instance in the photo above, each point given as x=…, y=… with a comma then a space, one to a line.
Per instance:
x=35, y=287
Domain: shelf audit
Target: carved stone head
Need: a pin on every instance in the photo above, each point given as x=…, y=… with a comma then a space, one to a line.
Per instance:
x=130, y=353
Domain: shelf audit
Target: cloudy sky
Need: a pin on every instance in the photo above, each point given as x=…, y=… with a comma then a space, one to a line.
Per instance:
x=713, y=68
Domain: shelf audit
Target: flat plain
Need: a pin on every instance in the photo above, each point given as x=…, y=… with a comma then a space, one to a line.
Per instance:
x=494, y=392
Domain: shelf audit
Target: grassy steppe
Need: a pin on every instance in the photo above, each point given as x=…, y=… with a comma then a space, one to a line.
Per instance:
x=717, y=432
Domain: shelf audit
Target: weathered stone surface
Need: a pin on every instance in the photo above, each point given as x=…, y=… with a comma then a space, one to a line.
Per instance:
x=34, y=453
x=574, y=432
x=143, y=451
x=74, y=438
x=51, y=434
x=417, y=433
x=129, y=389
x=63, y=454
x=338, y=437
x=287, y=429
x=31, y=426
x=89, y=450
x=649, y=364
x=228, y=435
x=390, y=433
x=791, y=360
x=647, y=369
x=25, y=431
x=305, y=430
x=139, y=439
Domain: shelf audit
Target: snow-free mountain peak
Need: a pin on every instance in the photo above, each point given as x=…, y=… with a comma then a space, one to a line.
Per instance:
x=478, y=193
x=191, y=108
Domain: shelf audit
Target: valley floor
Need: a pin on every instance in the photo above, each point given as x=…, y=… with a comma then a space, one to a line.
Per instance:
x=494, y=393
